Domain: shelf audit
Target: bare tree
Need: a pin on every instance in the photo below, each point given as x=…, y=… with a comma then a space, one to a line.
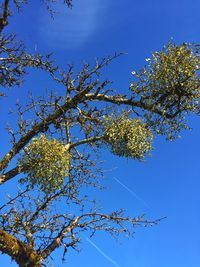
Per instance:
x=54, y=144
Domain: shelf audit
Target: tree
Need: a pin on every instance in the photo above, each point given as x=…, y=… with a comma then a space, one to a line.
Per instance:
x=54, y=144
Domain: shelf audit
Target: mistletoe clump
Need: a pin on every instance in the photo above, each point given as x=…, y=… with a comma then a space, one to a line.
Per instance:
x=128, y=137
x=46, y=162
x=170, y=81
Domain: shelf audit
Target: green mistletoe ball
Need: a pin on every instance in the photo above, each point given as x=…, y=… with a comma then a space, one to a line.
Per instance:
x=47, y=162
x=128, y=137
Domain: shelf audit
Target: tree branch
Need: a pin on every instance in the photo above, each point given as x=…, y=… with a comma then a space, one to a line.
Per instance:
x=98, y=221
x=18, y=251
x=12, y=173
x=57, y=241
x=121, y=100
x=86, y=141
x=39, y=127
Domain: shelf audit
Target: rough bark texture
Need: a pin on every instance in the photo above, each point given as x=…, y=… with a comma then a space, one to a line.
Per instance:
x=22, y=254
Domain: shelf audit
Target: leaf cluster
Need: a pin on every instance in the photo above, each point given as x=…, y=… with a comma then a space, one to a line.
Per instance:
x=169, y=85
x=128, y=137
x=46, y=162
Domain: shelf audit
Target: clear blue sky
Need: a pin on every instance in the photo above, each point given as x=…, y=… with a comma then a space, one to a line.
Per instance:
x=168, y=183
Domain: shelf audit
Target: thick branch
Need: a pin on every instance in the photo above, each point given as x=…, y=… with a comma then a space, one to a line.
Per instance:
x=24, y=255
x=12, y=173
x=121, y=100
x=37, y=128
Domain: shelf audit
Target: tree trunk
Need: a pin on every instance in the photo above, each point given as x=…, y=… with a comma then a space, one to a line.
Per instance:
x=22, y=254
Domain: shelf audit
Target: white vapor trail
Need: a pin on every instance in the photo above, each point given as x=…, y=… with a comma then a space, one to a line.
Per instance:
x=103, y=253
x=131, y=192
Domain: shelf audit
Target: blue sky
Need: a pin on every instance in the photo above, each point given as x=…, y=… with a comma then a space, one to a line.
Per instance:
x=168, y=183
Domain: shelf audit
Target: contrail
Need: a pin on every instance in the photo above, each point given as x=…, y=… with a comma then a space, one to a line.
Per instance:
x=103, y=253
x=131, y=192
